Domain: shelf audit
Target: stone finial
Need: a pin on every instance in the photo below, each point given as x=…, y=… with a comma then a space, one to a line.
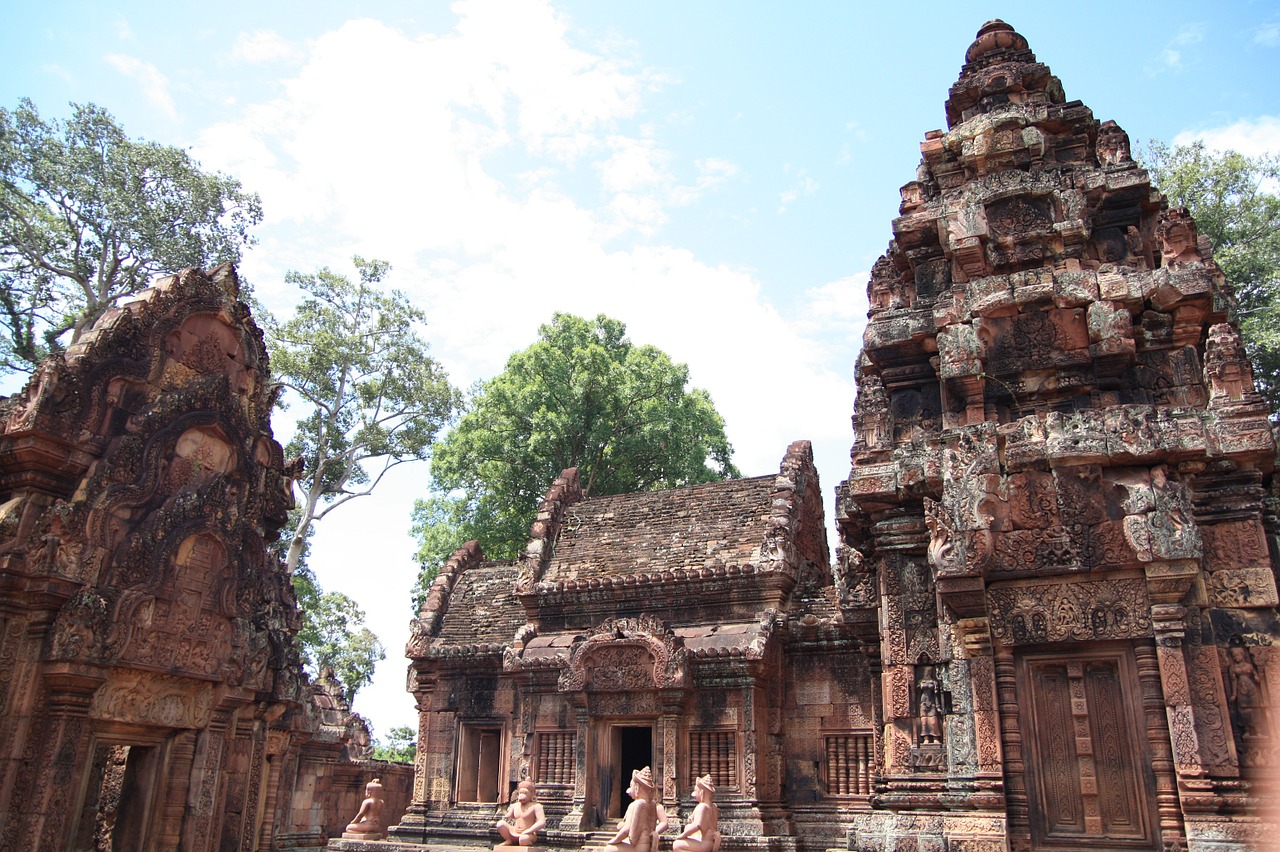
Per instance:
x=994, y=35
x=1113, y=146
x=1178, y=238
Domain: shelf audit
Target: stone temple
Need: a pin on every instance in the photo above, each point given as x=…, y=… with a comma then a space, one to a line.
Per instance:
x=1049, y=621
x=1048, y=624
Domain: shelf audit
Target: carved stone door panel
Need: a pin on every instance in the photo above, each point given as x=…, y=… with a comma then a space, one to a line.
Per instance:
x=1089, y=778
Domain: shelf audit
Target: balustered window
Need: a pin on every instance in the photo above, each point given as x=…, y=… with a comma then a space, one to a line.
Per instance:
x=850, y=764
x=555, y=757
x=714, y=753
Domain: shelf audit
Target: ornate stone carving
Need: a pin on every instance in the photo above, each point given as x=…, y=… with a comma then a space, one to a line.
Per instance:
x=80, y=629
x=154, y=699
x=627, y=654
x=1062, y=611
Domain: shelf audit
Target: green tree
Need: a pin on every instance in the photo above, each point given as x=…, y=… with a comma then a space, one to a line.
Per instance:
x=401, y=745
x=333, y=634
x=371, y=393
x=1235, y=204
x=582, y=396
x=88, y=216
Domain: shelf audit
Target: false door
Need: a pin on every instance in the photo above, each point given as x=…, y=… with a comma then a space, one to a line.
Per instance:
x=1089, y=778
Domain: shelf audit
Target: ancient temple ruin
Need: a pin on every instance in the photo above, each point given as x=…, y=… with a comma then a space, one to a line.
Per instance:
x=1050, y=620
x=1049, y=623
x=151, y=696
x=1062, y=501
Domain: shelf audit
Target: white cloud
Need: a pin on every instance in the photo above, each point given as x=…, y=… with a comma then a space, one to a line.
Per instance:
x=1249, y=136
x=262, y=46
x=802, y=187
x=124, y=32
x=1171, y=55
x=1189, y=34
x=514, y=178
x=155, y=85
x=1267, y=35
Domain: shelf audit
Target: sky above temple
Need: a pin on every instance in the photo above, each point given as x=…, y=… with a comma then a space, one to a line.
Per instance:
x=720, y=176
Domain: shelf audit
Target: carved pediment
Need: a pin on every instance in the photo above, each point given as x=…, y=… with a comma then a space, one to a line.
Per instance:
x=185, y=624
x=627, y=654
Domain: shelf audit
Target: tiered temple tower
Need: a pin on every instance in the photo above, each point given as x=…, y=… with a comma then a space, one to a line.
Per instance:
x=1062, y=501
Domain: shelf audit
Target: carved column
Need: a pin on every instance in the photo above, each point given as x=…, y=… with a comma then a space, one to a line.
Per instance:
x=980, y=659
x=413, y=823
x=669, y=727
x=63, y=752
x=750, y=743
x=203, y=823
x=20, y=695
x=1015, y=784
x=1171, y=831
x=173, y=804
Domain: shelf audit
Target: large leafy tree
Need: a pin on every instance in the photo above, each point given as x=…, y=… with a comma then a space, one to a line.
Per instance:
x=1235, y=204
x=401, y=745
x=333, y=634
x=582, y=396
x=88, y=215
x=371, y=394
x=333, y=631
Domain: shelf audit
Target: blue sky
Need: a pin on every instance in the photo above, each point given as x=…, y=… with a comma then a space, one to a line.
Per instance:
x=720, y=176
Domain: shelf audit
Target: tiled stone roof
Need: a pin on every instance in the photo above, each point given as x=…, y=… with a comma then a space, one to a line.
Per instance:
x=483, y=608
x=717, y=523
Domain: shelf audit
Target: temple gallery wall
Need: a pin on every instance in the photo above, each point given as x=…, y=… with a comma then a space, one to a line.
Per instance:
x=1049, y=621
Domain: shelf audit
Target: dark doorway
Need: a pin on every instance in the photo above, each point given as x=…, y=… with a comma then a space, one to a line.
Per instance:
x=632, y=749
x=118, y=803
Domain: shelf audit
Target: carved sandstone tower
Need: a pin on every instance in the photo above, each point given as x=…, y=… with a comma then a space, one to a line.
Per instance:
x=149, y=686
x=1062, y=496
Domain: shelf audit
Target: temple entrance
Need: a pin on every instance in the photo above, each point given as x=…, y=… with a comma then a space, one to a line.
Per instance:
x=118, y=803
x=479, y=764
x=631, y=749
x=1089, y=777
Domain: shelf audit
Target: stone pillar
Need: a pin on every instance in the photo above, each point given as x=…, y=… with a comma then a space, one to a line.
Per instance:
x=668, y=730
x=413, y=823
x=1015, y=784
x=63, y=753
x=203, y=823
x=1162, y=765
x=173, y=795
x=1169, y=628
x=979, y=659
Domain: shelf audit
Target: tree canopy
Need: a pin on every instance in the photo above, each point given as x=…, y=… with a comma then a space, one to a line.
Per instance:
x=1235, y=204
x=333, y=634
x=582, y=396
x=370, y=392
x=401, y=745
x=88, y=215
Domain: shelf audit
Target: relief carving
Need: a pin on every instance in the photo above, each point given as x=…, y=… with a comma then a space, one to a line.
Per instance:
x=630, y=651
x=154, y=699
x=1070, y=611
x=80, y=629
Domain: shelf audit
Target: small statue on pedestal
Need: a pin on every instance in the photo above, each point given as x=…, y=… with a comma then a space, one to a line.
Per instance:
x=524, y=819
x=368, y=822
x=704, y=822
x=638, y=831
